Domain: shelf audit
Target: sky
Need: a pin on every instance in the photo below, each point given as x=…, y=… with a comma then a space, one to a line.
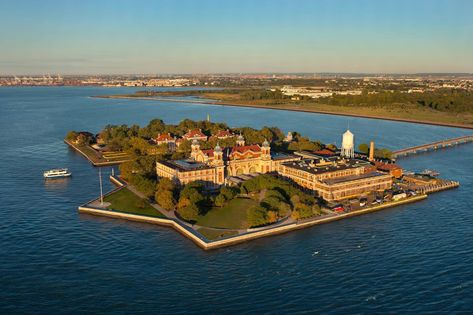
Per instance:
x=221, y=36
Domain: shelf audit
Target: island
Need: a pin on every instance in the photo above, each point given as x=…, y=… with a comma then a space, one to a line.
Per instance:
x=407, y=100
x=220, y=186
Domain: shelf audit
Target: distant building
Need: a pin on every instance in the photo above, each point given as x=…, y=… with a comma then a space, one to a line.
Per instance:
x=195, y=134
x=223, y=134
x=164, y=138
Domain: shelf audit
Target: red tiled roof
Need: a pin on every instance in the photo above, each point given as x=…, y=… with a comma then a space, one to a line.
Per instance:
x=324, y=152
x=245, y=148
x=209, y=153
x=196, y=133
x=223, y=134
x=164, y=137
x=386, y=166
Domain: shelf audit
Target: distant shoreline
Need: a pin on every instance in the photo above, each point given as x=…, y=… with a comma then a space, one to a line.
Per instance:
x=285, y=107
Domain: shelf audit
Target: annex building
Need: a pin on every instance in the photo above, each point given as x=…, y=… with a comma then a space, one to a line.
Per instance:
x=336, y=177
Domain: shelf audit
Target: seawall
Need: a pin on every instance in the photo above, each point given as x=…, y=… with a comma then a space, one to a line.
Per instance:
x=231, y=240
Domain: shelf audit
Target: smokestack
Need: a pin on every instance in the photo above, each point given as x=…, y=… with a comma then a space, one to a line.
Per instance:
x=371, y=157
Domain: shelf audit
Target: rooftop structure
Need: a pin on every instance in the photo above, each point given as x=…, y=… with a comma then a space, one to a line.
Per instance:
x=348, y=144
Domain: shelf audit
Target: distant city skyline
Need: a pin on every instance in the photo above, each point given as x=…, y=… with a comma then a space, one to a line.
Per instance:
x=279, y=36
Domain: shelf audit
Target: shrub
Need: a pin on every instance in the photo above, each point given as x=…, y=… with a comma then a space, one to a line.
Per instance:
x=220, y=200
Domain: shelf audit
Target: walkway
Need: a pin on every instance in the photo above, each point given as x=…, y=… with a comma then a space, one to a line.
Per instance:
x=433, y=146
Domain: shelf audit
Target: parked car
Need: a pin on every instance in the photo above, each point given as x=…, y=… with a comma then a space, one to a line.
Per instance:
x=399, y=196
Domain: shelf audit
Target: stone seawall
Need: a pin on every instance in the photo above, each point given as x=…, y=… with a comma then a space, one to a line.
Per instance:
x=94, y=163
x=231, y=240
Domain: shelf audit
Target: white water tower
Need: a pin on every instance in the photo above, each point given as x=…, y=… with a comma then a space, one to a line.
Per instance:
x=348, y=145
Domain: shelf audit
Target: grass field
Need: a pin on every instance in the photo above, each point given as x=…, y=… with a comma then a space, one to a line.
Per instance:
x=231, y=216
x=215, y=234
x=126, y=201
x=96, y=157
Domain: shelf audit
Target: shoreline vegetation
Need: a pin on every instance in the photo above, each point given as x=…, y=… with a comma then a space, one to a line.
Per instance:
x=261, y=205
x=387, y=107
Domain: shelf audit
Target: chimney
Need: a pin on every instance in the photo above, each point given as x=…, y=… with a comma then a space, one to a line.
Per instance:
x=371, y=157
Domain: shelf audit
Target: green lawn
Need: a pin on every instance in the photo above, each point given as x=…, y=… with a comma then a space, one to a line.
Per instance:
x=230, y=216
x=215, y=234
x=126, y=201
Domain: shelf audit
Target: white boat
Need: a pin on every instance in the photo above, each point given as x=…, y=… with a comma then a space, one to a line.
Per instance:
x=56, y=173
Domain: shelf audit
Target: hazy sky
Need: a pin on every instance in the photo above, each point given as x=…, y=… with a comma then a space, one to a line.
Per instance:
x=198, y=36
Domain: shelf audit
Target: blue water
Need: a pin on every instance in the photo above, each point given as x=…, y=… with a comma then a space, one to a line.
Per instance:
x=414, y=258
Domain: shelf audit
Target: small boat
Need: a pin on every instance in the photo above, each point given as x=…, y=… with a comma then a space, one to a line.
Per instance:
x=57, y=173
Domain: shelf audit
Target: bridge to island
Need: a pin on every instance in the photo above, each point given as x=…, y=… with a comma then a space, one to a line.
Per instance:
x=432, y=146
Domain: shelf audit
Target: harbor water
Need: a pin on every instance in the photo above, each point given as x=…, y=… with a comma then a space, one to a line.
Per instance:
x=53, y=260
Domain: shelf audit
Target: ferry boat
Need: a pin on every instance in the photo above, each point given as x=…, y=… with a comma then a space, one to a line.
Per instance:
x=57, y=173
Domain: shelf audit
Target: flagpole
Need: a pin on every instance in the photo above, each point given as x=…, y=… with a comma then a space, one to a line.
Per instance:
x=100, y=181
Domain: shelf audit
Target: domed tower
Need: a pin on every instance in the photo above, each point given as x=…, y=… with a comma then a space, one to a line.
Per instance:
x=265, y=164
x=266, y=148
x=218, y=155
x=348, y=145
x=195, y=147
x=240, y=141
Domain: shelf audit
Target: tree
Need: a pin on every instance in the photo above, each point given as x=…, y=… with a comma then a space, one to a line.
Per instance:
x=144, y=185
x=304, y=210
x=220, y=200
x=331, y=147
x=363, y=148
x=165, y=199
x=257, y=216
x=271, y=203
x=272, y=216
x=229, y=192
x=165, y=184
x=138, y=146
x=284, y=209
x=189, y=212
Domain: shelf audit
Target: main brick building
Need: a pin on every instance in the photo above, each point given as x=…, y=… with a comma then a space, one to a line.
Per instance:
x=214, y=166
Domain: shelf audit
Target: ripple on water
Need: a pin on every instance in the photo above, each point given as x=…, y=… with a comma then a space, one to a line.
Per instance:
x=416, y=257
